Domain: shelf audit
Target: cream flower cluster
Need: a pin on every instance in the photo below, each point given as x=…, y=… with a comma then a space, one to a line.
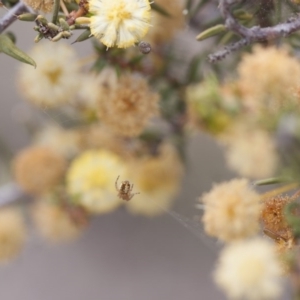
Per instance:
x=268, y=79
x=251, y=153
x=232, y=210
x=120, y=23
x=55, y=80
x=248, y=267
x=127, y=105
x=249, y=270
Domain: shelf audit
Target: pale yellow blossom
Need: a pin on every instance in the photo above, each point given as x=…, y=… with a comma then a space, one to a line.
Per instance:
x=249, y=270
x=251, y=152
x=91, y=180
x=54, y=82
x=120, y=23
x=268, y=80
x=231, y=210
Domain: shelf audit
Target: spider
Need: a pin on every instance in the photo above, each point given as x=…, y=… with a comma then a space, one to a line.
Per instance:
x=125, y=190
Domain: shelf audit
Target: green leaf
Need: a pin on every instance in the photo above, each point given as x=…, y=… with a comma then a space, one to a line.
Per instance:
x=211, y=32
x=160, y=10
x=9, y=48
x=291, y=213
x=272, y=180
x=118, y=70
x=28, y=17
x=99, y=65
x=242, y=15
x=83, y=36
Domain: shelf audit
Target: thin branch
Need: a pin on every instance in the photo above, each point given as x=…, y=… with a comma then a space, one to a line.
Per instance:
x=219, y=55
x=64, y=8
x=253, y=34
x=13, y=14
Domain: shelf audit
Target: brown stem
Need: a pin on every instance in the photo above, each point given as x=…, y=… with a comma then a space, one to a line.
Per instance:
x=76, y=14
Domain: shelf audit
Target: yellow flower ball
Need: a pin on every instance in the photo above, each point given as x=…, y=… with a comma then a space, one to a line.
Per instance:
x=91, y=180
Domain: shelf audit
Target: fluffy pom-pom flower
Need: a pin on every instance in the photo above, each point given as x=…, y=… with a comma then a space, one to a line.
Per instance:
x=91, y=180
x=249, y=270
x=119, y=23
x=37, y=169
x=55, y=80
x=232, y=210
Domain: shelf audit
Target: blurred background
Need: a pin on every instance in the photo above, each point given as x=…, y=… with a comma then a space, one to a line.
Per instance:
x=120, y=256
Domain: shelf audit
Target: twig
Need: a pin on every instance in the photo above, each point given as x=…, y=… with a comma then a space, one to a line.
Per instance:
x=12, y=15
x=253, y=34
x=64, y=8
x=227, y=50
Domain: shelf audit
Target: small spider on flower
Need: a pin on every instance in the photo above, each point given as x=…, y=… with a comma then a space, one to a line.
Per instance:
x=125, y=190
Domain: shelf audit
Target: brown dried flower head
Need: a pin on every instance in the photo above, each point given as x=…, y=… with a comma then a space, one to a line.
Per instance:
x=128, y=105
x=273, y=220
x=37, y=169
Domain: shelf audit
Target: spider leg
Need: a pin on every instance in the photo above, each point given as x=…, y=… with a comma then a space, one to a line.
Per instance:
x=131, y=188
x=116, y=183
x=131, y=196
